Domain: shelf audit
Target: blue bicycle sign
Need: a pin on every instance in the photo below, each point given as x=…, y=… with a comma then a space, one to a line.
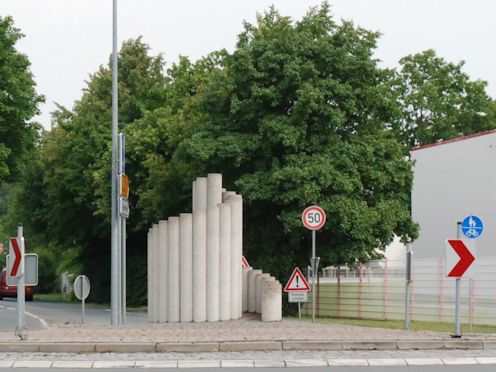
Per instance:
x=472, y=227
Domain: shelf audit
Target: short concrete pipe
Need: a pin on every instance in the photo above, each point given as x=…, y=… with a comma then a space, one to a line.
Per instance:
x=163, y=275
x=174, y=258
x=155, y=273
x=252, y=289
x=200, y=265
x=271, y=300
x=186, y=265
x=244, y=305
x=214, y=189
x=149, y=259
x=225, y=301
x=200, y=193
x=226, y=195
x=236, y=203
x=213, y=262
x=258, y=301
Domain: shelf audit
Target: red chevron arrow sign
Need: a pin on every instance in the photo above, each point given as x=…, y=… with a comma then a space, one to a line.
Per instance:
x=457, y=264
x=15, y=250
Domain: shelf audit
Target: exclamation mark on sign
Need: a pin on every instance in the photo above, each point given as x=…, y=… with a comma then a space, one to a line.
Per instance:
x=297, y=281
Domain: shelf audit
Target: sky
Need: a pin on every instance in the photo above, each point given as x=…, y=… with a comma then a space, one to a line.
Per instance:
x=67, y=40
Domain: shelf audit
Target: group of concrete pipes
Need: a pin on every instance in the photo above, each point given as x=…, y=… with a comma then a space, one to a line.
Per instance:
x=262, y=294
x=194, y=260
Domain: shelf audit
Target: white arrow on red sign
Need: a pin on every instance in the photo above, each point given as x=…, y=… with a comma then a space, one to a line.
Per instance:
x=465, y=257
x=16, y=250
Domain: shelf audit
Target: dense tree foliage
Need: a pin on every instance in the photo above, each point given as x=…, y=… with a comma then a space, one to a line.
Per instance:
x=18, y=101
x=436, y=101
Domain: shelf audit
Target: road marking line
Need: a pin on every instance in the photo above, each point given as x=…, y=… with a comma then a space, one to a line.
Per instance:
x=41, y=320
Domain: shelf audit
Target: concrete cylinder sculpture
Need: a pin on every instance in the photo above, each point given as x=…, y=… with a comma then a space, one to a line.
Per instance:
x=173, y=285
x=225, y=262
x=194, y=260
x=271, y=301
x=258, y=291
x=163, y=274
x=252, y=289
x=186, y=267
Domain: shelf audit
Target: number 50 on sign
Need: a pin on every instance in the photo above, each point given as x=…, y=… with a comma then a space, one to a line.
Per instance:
x=313, y=218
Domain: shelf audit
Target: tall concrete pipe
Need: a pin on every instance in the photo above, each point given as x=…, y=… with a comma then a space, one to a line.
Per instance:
x=149, y=281
x=213, y=263
x=252, y=289
x=236, y=203
x=225, y=262
x=186, y=266
x=163, y=274
x=173, y=287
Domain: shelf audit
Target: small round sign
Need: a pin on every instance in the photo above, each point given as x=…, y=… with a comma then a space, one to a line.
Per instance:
x=82, y=287
x=313, y=217
x=472, y=227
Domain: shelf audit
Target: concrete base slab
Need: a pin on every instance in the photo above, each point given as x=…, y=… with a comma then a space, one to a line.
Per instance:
x=385, y=362
x=72, y=364
x=306, y=363
x=312, y=345
x=19, y=347
x=32, y=364
x=486, y=360
x=125, y=347
x=347, y=362
x=68, y=347
x=237, y=364
x=464, y=345
x=198, y=364
x=113, y=364
x=6, y=363
x=179, y=347
x=420, y=345
x=269, y=363
x=456, y=361
x=156, y=364
x=423, y=361
x=369, y=345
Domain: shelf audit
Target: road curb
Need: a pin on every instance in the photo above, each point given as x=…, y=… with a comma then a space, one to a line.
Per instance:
x=240, y=346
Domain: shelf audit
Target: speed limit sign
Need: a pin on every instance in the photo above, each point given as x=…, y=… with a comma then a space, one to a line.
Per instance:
x=313, y=218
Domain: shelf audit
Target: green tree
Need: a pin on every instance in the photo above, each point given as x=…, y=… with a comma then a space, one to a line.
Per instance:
x=297, y=116
x=18, y=101
x=437, y=101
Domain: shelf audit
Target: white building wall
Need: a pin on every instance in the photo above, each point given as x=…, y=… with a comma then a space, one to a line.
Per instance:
x=451, y=181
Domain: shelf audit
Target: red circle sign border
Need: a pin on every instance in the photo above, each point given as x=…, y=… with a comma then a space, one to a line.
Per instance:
x=309, y=209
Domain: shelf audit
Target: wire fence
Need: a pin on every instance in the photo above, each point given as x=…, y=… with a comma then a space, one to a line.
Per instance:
x=377, y=291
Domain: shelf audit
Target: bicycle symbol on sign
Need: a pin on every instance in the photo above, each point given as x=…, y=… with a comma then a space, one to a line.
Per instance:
x=472, y=227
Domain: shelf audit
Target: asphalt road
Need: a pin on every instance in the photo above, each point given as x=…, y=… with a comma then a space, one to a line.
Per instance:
x=39, y=314
x=459, y=368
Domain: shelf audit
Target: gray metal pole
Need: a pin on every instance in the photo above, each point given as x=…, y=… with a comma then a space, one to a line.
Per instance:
x=458, y=331
x=114, y=290
x=313, y=275
x=82, y=300
x=123, y=271
x=408, y=282
x=21, y=301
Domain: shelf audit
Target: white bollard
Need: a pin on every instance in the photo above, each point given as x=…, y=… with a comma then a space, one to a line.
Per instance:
x=225, y=262
x=252, y=289
x=173, y=300
x=271, y=301
x=200, y=265
x=258, y=284
x=213, y=262
x=155, y=277
x=200, y=193
x=149, y=274
x=236, y=203
x=163, y=274
x=214, y=189
x=244, y=305
x=186, y=265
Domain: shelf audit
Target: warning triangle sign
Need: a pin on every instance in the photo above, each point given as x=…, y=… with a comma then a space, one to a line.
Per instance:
x=297, y=282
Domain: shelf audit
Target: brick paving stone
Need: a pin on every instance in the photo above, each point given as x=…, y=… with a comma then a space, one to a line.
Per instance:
x=198, y=364
x=486, y=360
x=237, y=364
x=32, y=364
x=269, y=363
x=347, y=362
x=156, y=364
x=383, y=362
x=72, y=364
x=306, y=363
x=456, y=361
x=113, y=364
x=423, y=361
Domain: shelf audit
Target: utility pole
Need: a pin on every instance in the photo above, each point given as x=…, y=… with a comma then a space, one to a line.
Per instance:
x=115, y=238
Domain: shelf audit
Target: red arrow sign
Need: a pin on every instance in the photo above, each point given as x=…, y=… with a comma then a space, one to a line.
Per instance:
x=466, y=258
x=17, y=255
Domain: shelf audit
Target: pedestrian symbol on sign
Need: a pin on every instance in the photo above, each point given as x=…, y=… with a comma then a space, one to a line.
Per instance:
x=472, y=227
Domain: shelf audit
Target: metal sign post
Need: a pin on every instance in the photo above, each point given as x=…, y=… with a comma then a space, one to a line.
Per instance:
x=82, y=290
x=313, y=218
x=409, y=262
x=458, y=329
x=21, y=301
